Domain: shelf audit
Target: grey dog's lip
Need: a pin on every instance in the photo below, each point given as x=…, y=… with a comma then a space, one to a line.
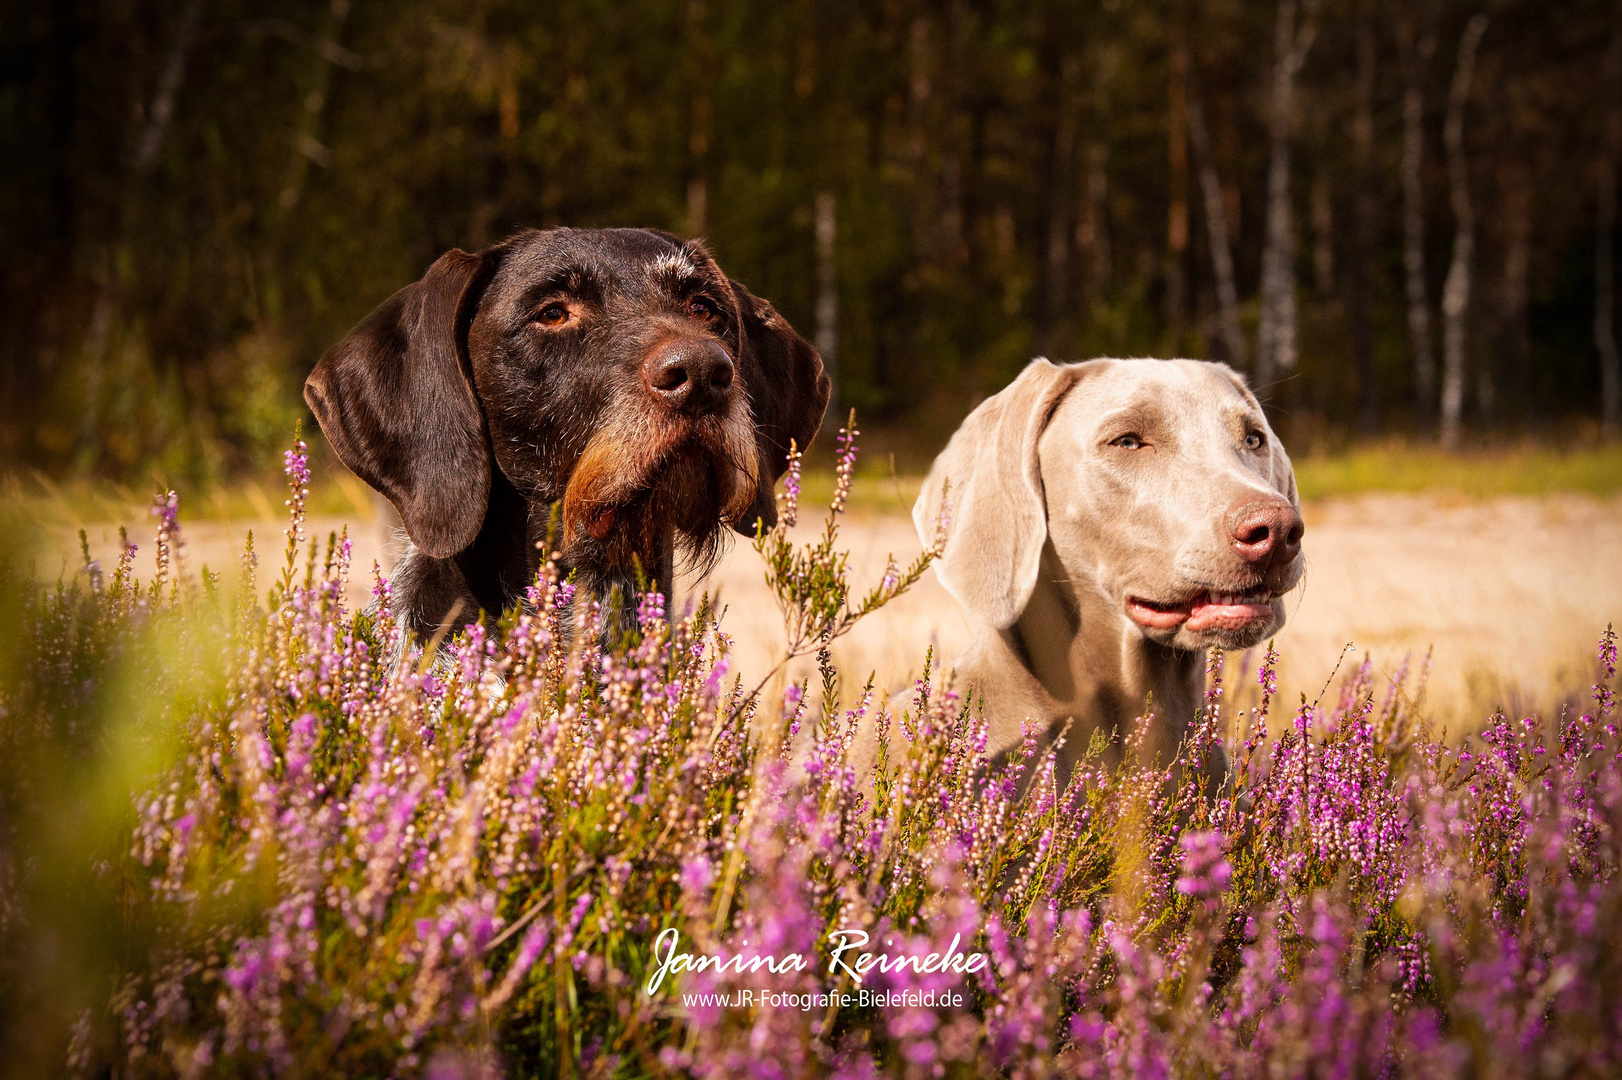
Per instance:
x=1201, y=612
x=1213, y=595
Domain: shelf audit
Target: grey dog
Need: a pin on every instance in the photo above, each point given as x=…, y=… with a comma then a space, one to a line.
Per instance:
x=1109, y=521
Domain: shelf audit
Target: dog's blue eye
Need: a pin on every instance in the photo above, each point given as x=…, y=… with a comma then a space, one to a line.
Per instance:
x=1128, y=442
x=1255, y=440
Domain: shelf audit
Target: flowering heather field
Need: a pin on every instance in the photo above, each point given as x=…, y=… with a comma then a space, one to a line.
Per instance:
x=237, y=840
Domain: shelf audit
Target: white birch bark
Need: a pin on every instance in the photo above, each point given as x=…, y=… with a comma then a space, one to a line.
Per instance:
x=1413, y=220
x=1456, y=290
x=1275, y=338
x=827, y=331
x=163, y=99
x=1365, y=223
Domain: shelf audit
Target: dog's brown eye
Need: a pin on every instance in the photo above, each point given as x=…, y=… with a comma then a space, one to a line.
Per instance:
x=1128, y=441
x=553, y=315
x=700, y=308
x=1255, y=440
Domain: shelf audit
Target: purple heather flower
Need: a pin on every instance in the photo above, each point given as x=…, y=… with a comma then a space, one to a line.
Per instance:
x=791, y=487
x=1206, y=870
x=1267, y=674
x=166, y=508
x=845, y=463
x=296, y=464
x=420, y=863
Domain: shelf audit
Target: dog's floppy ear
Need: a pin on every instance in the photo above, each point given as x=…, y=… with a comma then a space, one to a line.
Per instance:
x=788, y=393
x=395, y=399
x=990, y=480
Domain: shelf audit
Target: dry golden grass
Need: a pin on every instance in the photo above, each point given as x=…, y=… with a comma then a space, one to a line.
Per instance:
x=1510, y=592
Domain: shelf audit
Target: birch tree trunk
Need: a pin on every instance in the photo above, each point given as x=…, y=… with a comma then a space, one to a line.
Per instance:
x=1610, y=369
x=1365, y=224
x=1456, y=290
x=1420, y=46
x=698, y=148
x=163, y=99
x=1058, y=245
x=948, y=238
x=1230, y=334
x=827, y=333
x=1177, y=167
x=1275, y=338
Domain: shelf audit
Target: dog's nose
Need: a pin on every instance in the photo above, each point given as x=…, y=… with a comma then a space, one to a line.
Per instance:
x=1266, y=533
x=693, y=376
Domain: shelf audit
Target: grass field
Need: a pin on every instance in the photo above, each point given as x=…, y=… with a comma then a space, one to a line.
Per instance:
x=1505, y=564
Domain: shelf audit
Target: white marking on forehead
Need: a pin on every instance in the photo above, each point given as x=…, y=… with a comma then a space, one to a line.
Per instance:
x=673, y=264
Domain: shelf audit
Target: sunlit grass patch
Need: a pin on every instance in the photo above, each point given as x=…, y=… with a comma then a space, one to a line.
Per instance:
x=883, y=484
x=75, y=502
x=1518, y=470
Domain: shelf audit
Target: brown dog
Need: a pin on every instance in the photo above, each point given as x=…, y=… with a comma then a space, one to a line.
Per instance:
x=617, y=372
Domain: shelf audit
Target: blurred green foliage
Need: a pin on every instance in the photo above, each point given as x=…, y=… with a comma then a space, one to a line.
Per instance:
x=93, y=699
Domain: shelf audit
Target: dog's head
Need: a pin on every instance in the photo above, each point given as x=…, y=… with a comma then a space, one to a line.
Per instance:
x=1158, y=482
x=618, y=371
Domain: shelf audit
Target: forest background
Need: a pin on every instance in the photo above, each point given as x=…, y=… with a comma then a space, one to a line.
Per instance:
x=1396, y=217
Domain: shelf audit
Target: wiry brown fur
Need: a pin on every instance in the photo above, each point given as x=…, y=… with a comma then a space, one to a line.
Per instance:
x=658, y=476
x=616, y=374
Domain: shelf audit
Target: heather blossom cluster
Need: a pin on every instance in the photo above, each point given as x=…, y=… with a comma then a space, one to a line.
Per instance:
x=809, y=581
x=166, y=508
x=788, y=501
x=296, y=463
x=352, y=858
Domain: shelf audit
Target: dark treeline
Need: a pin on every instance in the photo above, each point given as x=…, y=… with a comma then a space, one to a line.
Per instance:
x=1396, y=216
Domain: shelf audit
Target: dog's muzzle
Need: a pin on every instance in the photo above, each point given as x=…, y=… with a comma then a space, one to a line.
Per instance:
x=690, y=375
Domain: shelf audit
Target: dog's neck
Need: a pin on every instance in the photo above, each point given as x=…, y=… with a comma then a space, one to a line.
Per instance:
x=492, y=574
x=1074, y=658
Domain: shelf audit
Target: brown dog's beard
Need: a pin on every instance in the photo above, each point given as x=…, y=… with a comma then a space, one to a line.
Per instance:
x=646, y=476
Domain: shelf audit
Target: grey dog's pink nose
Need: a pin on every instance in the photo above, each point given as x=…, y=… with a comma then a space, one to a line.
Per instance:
x=1266, y=533
x=689, y=375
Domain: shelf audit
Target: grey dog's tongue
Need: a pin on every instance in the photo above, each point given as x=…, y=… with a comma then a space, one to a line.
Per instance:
x=1206, y=615
x=1200, y=613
